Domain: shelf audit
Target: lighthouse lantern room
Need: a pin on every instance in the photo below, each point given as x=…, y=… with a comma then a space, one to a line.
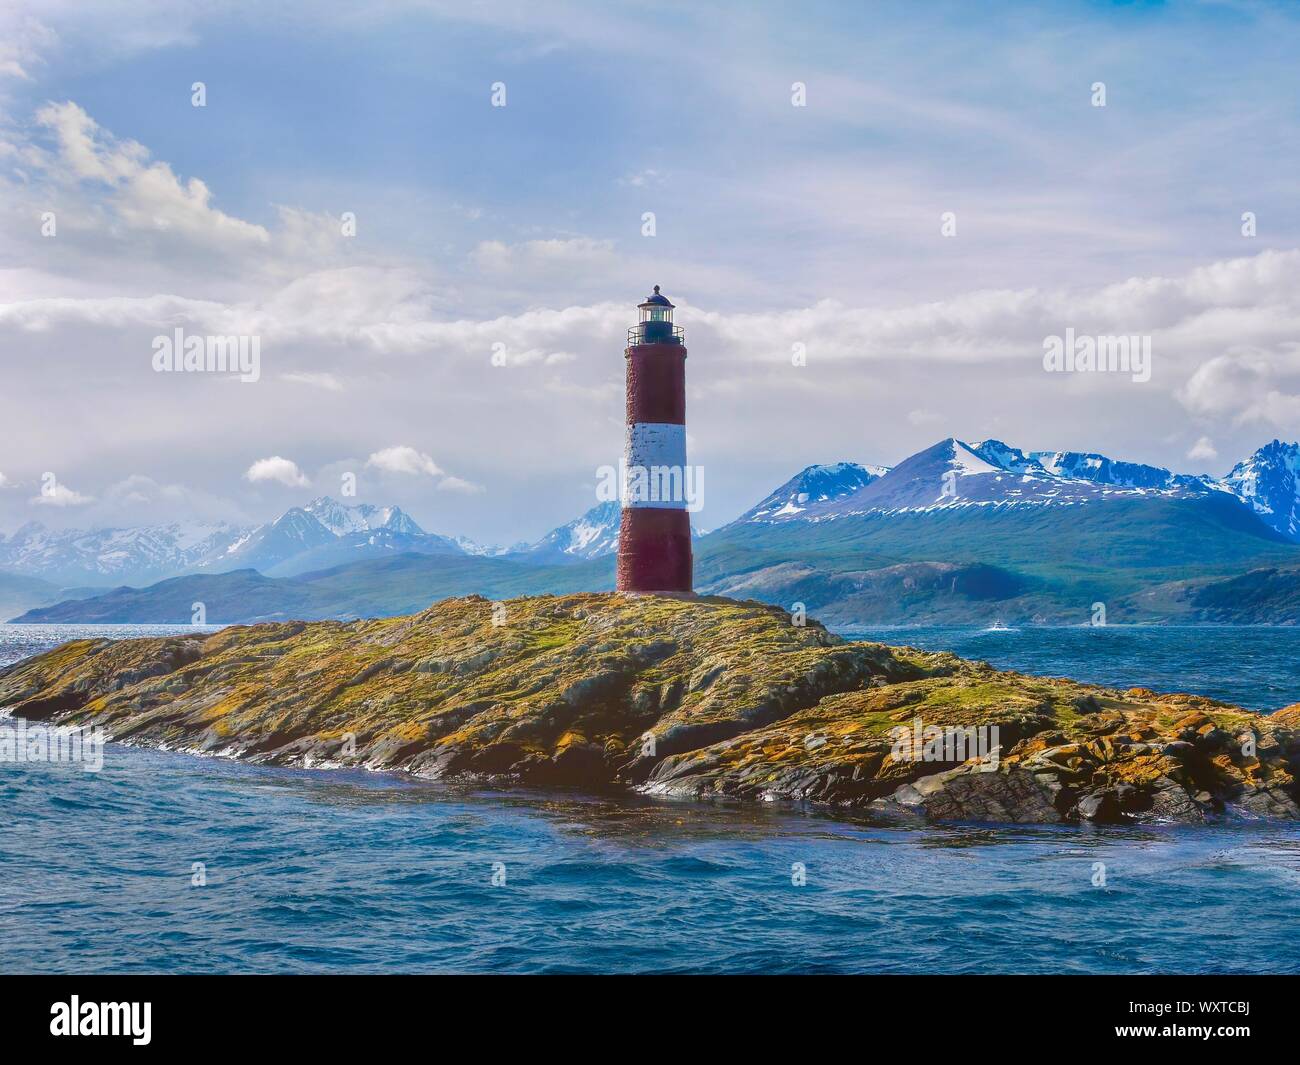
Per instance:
x=656, y=322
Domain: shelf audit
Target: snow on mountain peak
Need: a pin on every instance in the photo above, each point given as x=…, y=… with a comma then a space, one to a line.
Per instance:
x=341, y=519
x=592, y=535
x=993, y=473
x=1269, y=483
x=147, y=553
x=813, y=487
x=966, y=462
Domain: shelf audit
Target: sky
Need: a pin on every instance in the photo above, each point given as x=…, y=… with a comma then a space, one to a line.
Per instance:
x=912, y=196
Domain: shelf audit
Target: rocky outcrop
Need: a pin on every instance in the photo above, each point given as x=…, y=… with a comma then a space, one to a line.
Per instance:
x=699, y=697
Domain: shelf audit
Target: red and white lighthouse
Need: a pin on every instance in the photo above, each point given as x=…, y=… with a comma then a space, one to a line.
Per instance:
x=654, y=540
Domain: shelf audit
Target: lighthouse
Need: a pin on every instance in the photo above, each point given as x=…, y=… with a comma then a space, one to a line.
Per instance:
x=654, y=539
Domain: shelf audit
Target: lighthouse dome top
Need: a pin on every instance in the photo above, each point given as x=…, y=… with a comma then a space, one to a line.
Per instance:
x=656, y=300
x=655, y=324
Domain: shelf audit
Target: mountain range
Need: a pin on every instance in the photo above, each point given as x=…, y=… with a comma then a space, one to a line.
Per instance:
x=957, y=531
x=322, y=534
x=953, y=473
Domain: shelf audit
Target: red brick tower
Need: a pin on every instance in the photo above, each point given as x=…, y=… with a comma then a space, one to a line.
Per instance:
x=654, y=540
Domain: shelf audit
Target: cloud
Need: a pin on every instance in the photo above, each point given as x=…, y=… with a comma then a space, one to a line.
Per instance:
x=504, y=356
x=326, y=381
x=139, y=490
x=403, y=459
x=82, y=32
x=642, y=178
x=458, y=484
x=23, y=40
x=494, y=256
x=124, y=221
x=143, y=195
x=281, y=470
x=60, y=495
x=1248, y=386
x=1203, y=450
x=410, y=329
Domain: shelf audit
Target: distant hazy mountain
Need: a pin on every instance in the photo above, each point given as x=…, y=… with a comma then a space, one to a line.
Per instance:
x=378, y=587
x=327, y=533
x=473, y=547
x=18, y=594
x=343, y=520
x=323, y=533
x=113, y=556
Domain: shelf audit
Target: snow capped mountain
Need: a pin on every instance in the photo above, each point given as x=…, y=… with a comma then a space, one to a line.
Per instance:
x=594, y=535
x=950, y=474
x=1081, y=466
x=953, y=473
x=341, y=519
x=323, y=533
x=1269, y=483
x=327, y=533
x=590, y=536
x=473, y=547
x=294, y=532
x=812, y=487
x=76, y=556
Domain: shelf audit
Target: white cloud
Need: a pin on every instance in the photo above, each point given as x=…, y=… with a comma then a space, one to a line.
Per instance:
x=144, y=195
x=414, y=340
x=642, y=178
x=275, y=468
x=128, y=223
x=403, y=459
x=23, y=39
x=1248, y=386
x=139, y=489
x=458, y=484
x=60, y=495
x=326, y=381
x=1203, y=450
x=494, y=256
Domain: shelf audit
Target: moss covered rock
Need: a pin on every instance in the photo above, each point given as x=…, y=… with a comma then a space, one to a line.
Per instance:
x=701, y=697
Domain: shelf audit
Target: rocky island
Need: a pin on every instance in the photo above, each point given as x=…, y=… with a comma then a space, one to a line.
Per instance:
x=690, y=696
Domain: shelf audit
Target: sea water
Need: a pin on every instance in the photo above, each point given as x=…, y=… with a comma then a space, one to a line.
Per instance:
x=166, y=862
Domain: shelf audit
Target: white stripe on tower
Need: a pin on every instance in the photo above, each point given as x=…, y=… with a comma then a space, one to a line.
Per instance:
x=659, y=449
